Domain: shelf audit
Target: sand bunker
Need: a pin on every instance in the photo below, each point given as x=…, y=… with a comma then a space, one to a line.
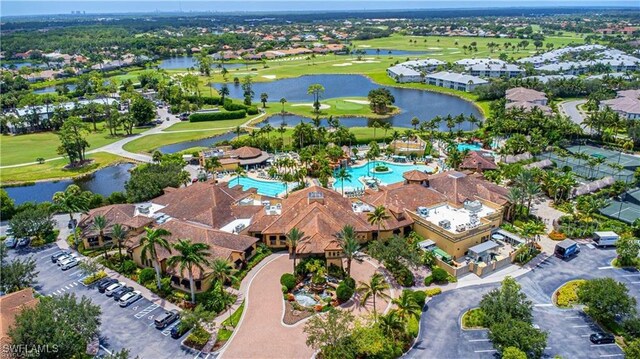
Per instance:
x=270, y=77
x=359, y=102
x=322, y=105
x=343, y=64
x=364, y=45
x=366, y=62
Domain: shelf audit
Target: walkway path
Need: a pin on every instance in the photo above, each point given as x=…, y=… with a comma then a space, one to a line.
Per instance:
x=117, y=148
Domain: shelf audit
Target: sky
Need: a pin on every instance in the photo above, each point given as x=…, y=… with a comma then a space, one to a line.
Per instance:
x=39, y=7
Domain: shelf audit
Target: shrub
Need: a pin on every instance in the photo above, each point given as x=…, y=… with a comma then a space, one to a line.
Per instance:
x=198, y=337
x=344, y=292
x=428, y=280
x=336, y=272
x=420, y=297
x=94, y=277
x=631, y=327
x=288, y=280
x=401, y=273
x=217, y=116
x=350, y=282
x=439, y=275
x=433, y=292
x=230, y=106
x=128, y=267
x=252, y=110
x=146, y=275
x=567, y=295
x=557, y=236
x=473, y=318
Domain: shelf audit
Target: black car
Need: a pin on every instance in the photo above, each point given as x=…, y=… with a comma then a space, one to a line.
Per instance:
x=102, y=287
x=602, y=338
x=73, y=223
x=179, y=329
x=120, y=292
x=166, y=318
x=56, y=255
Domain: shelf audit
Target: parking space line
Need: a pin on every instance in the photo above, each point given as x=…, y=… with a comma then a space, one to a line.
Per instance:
x=573, y=317
x=635, y=282
x=630, y=275
x=603, y=345
x=543, y=305
x=585, y=335
x=610, y=355
x=167, y=331
x=579, y=326
x=485, y=351
x=607, y=267
x=106, y=350
x=479, y=340
x=146, y=311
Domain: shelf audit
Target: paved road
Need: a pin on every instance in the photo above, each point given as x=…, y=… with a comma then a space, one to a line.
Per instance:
x=442, y=336
x=570, y=108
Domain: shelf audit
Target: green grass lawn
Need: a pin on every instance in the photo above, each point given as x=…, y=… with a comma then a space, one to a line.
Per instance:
x=232, y=321
x=148, y=144
x=363, y=134
x=207, y=125
x=26, y=148
x=54, y=169
x=338, y=107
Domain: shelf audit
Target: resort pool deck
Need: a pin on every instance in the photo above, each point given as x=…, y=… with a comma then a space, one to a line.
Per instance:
x=266, y=188
x=393, y=176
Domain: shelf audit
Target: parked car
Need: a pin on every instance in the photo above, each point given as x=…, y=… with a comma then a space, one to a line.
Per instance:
x=64, y=257
x=105, y=283
x=10, y=242
x=73, y=223
x=179, y=329
x=58, y=254
x=23, y=242
x=69, y=264
x=112, y=288
x=121, y=292
x=166, y=318
x=130, y=298
x=602, y=338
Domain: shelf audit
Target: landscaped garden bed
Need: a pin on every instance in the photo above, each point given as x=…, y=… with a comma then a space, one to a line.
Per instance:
x=381, y=169
x=567, y=295
x=473, y=319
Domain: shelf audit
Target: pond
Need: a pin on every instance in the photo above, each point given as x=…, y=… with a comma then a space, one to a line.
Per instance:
x=414, y=103
x=204, y=142
x=183, y=62
x=51, y=89
x=104, y=181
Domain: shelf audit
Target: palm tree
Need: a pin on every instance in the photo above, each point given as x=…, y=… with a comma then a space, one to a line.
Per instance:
x=531, y=190
x=390, y=324
x=515, y=196
x=240, y=172
x=263, y=98
x=531, y=232
x=343, y=175
x=153, y=239
x=100, y=224
x=293, y=237
x=191, y=255
x=407, y=306
x=119, y=234
x=70, y=201
x=283, y=101
x=211, y=163
x=349, y=245
x=378, y=216
x=375, y=288
x=222, y=271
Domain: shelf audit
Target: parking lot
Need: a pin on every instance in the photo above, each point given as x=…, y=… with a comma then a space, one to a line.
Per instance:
x=131, y=327
x=568, y=329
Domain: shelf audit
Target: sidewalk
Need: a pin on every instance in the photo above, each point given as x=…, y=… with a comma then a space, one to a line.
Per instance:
x=513, y=271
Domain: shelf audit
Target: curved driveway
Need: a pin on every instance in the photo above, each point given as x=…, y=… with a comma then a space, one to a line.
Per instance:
x=261, y=333
x=442, y=337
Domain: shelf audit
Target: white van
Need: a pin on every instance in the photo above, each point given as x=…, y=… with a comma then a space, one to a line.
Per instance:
x=604, y=239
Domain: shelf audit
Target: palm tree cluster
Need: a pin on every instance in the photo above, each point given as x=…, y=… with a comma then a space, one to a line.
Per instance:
x=524, y=190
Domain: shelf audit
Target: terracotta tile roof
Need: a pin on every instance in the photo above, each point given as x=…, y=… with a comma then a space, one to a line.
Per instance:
x=477, y=161
x=529, y=106
x=459, y=187
x=319, y=218
x=221, y=244
x=245, y=152
x=12, y=304
x=138, y=222
x=415, y=175
x=521, y=94
x=399, y=197
x=207, y=203
x=115, y=213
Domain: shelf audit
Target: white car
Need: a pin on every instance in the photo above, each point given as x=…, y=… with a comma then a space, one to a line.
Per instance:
x=69, y=264
x=64, y=258
x=130, y=298
x=112, y=288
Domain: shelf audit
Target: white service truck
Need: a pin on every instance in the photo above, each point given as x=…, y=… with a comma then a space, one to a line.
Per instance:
x=605, y=239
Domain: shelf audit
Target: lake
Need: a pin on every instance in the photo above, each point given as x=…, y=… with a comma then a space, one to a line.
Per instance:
x=104, y=181
x=205, y=142
x=183, y=62
x=51, y=89
x=422, y=104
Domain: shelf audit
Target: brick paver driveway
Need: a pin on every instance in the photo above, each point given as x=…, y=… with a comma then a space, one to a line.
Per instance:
x=261, y=333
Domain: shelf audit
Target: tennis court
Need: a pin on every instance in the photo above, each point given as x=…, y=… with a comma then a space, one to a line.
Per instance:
x=582, y=168
x=628, y=161
x=627, y=210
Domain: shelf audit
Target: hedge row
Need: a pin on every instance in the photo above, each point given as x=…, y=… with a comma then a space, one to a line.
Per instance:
x=208, y=100
x=217, y=116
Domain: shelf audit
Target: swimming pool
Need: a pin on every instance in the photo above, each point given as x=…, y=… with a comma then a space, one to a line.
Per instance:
x=395, y=175
x=469, y=146
x=266, y=188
